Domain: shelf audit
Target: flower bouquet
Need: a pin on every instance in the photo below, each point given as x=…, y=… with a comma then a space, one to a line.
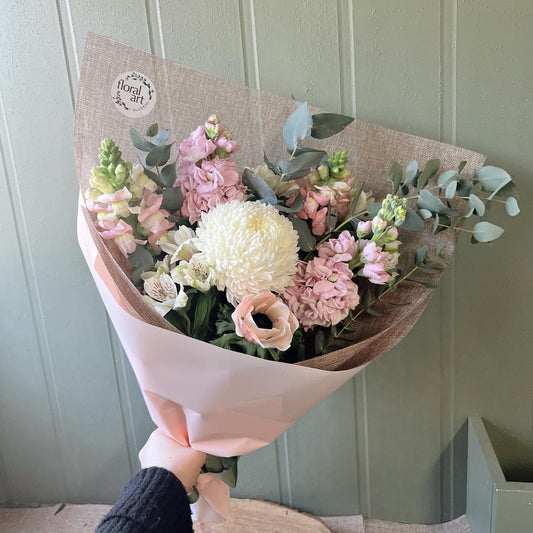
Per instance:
x=224, y=251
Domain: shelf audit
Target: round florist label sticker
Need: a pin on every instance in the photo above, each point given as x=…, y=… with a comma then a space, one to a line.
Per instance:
x=133, y=94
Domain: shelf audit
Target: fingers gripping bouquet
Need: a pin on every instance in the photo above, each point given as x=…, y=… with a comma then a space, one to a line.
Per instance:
x=204, y=259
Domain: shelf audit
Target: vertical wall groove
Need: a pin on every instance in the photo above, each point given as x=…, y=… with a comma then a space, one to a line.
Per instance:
x=28, y=266
x=346, y=43
x=448, y=51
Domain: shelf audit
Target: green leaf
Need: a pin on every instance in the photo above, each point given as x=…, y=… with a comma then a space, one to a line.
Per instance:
x=295, y=207
x=168, y=175
x=477, y=205
x=141, y=258
x=153, y=176
x=428, y=201
x=431, y=168
x=152, y=130
x=306, y=240
x=411, y=170
x=172, y=199
x=464, y=187
x=259, y=186
x=487, y=232
x=213, y=464
x=298, y=126
x=300, y=166
x=447, y=177
x=450, y=189
x=492, y=179
x=158, y=156
x=461, y=166
x=328, y=124
x=425, y=214
x=511, y=206
x=412, y=221
x=373, y=209
x=229, y=476
x=395, y=176
x=320, y=341
x=420, y=255
x=161, y=137
x=139, y=141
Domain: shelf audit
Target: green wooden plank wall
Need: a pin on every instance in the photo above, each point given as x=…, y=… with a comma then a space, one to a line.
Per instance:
x=389, y=444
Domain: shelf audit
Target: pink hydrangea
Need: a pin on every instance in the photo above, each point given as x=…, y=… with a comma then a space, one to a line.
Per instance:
x=343, y=248
x=197, y=146
x=216, y=181
x=323, y=293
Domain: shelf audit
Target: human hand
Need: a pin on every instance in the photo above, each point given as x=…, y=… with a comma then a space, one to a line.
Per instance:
x=184, y=462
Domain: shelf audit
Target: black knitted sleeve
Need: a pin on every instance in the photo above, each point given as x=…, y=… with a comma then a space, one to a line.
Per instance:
x=154, y=501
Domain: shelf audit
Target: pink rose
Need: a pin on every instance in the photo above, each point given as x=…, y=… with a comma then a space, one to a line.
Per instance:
x=279, y=323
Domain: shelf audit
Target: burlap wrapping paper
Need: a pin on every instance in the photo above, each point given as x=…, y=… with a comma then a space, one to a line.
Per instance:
x=184, y=99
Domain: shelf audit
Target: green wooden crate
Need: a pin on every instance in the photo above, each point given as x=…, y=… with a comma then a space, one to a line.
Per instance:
x=493, y=504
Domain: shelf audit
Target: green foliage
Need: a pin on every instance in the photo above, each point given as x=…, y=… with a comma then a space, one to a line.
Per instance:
x=259, y=186
x=306, y=240
x=328, y=124
x=301, y=165
x=297, y=127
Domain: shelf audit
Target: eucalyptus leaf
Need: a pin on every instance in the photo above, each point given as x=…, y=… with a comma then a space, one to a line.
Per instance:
x=272, y=166
x=328, y=124
x=420, y=255
x=296, y=206
x=139, y=141
x=461, y=166
x=168, y=175
x=161, y=137
x=411, y=170
x=260, y=187
x=464, y=187
x=447, y=177
x=300, y=166
x=395, y=176
x=492, y=179
x=213, y=464
x=306, y=240
x=487, y=232
x=152, y=130
x=298, y=126
x=158, y=156
x=450, y=189
x=428, y=201
x=435, y=224
x=404, y=190
x=145, y=163
x=412, y=221
x=511, y=206
x=476, y=204
x=304, y=149
x=172, y=199
x=320, y=341
x=229, y=476
x=373, y=209
x=141, y=258
x=476, y=188
x=431, y=168
x=153, y=176
x=425, y=214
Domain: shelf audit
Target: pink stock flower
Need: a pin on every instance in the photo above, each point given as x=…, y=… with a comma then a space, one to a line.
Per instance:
x=364, y=228
x=341, y=249
x=375, y=262
x=225, y=143
x=197, y=146
x=323, y=293
x=122, y=233
x=278, y=326
x=217, y=181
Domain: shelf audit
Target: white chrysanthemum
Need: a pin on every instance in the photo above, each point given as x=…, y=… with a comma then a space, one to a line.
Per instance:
x=250, y=246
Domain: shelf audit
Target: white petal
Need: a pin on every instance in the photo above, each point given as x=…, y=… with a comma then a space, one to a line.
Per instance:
x=161, y=308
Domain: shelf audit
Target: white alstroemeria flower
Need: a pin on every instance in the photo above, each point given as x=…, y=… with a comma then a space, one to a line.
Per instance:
x=160, y=267
x=163, y=293
x=179, y=244
x=195, y=274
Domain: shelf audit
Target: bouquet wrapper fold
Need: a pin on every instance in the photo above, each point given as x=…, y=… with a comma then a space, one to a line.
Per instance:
x=215, y=400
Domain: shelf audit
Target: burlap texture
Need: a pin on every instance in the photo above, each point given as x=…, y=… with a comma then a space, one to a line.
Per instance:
x=185, y=98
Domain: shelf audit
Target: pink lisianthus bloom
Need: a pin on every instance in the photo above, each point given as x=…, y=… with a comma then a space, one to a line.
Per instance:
x=341, y=249
x=197, y=146
x=217, y=181
x=122, y=233
x=278, y=334
x=323, y=293
x=376, y=262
